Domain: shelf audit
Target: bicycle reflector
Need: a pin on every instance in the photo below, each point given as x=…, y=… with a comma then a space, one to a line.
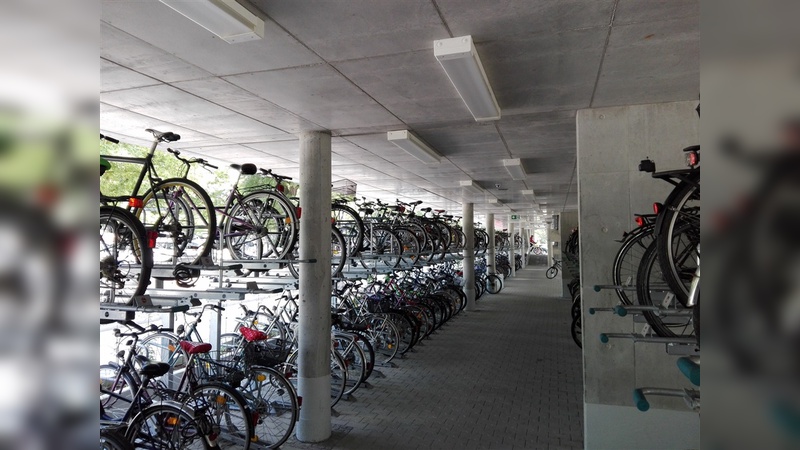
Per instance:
x=279, y=187
x=692, y=158
x=151, y=239
x=639, y=221
x=657, y=207
x=298, y=212
x=134, y=202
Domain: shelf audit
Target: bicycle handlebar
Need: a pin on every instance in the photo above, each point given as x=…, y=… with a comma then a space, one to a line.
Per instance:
x=109, y=139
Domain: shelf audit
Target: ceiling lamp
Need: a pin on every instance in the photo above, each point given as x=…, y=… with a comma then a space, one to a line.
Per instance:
x=471, y=187
x=414, y=146
x=227, y=19
x=463, y=66
x=514, y=168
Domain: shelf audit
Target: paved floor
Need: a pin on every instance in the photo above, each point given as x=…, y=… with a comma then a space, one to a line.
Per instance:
x=505, y=377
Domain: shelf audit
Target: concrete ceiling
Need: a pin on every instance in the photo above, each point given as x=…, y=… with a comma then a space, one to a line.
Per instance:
x=360, y=68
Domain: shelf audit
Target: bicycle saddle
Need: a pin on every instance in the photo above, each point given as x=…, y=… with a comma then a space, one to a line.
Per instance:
x=154, y=370
x=167, y=136
x=245, y=169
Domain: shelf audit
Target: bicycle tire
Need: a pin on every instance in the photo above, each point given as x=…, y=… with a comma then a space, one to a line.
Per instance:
x=678, y=231
x=355, y=362
x=576, y=329
x=350, y=224
x=338, y=255
x=229, y=413
x=113, y=379
x=164, y=347
x=191, y=236
x=410, y=248
x=551, y=272
x=494, y=284
x=123, y=246
x=650, y=285
x=627, y=260
x=383, y=249
x=164, y=426
x=384, y=337
x=273, y=221
x=113, y=440
x=272, y=399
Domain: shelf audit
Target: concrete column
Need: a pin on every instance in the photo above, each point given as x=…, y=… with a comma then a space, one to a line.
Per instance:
x=469, y=255
x=490, y=251
x=314, y=377
x=512, y=252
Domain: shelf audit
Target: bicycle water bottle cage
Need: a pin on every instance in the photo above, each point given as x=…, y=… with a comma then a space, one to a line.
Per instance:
x=647, y=165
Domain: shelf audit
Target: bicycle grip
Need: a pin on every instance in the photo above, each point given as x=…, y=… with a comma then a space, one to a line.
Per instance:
x=690, y=370
x=620, y=311
x=109, y=139
x=639, y=399
x=604, y=338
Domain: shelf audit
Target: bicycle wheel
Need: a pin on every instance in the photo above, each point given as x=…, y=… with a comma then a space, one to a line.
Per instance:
x=354, y=361
x=409, y=243
x=163, y=347
x=382, y=250
x=166, y=427
x=113, y=440
x=577, y=331
x=227, y=412
x=551, y=272
x=627, y=261
x=678, y=231
x=271, y=220
x=652, y=290
x=114, y=380
x=184, y=217
x=273, y=402
x=351, y=226
x=125, y=258
x=494, y=284
x=338, y=255
x=384, y=337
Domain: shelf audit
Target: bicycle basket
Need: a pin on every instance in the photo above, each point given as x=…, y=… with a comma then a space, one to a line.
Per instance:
x=268, y=353
x=225, y=368
x=378, y=303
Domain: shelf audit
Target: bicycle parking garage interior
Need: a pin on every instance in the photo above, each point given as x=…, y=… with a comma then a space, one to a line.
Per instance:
x=510, y=191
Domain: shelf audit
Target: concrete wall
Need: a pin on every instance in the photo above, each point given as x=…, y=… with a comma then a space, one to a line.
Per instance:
x=611, y=142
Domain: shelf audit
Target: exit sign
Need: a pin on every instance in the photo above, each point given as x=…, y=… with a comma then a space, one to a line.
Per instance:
x=514, y=217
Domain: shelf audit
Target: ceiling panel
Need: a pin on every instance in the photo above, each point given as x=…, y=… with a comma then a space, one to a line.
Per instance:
x=242, y=101
x=187, y=110
x=544, y=72
x=636, y=11
x=651, y=62
x=497, y=19
x=114, y=77
x=359, y=29
x=130, y=127
x=319, y=94
x=411, y=85
x=136, y=54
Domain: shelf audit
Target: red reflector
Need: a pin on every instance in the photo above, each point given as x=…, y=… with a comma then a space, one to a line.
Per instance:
x=333, y=221
x=151, y=239
x=639, y=221
x=279, y=187
x=299, y=401
x=401, y=209
x=134, y=202
x=692, y=158
x=656, y=207
x=298, y=211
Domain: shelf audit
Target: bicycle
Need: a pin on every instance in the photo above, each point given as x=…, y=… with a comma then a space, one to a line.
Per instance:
x=552, y=271
x=177, y=209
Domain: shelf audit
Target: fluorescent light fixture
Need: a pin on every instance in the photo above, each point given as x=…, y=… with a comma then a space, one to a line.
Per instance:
x=494, y=201
x=471, y=187
x=514, y=168
x=527, y=193
x=227, y=19
x=414, y=146
x=463, y=66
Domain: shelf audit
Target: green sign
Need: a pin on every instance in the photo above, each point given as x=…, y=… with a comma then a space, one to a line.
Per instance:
x=514, y=217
